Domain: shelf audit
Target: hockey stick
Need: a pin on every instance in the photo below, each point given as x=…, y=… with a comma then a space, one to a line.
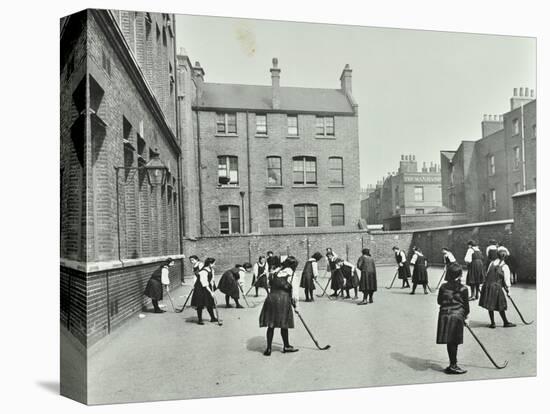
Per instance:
x=393, y=280
x=441, y=280
x=185, y=303
x=485, y=350
x=517, y=310
x=171, y=301
x=220, y=323
x=244, y=296
x=326, y=286
x=254, y=284
x=324, y=292
x=322, y=348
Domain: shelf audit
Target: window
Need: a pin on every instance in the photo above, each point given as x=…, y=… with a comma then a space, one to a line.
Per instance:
x=226, y=123
x=492, y=200
x=292, y=125
x=304, y=170
x=261, y=124
x=517, y=187
x=491, y=164
x=106, y=62
x=324, y=126
x=230, y=220
x=336, y=171
x=228, y=170
x=418, y=193
x=337, y=214
x=274, y=176
x=418, y=211
x=275, y=212
x=515, y=122
x=306, y=215
x=517, y=158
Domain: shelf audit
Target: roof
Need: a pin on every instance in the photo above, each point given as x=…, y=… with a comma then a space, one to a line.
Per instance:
x=259, y=98
x=449, y=154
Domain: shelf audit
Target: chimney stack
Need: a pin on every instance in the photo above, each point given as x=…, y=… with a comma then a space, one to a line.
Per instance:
x=345, y=80
x=275, y=84
x=198, y=74
x=524, y=96
x=491, y=124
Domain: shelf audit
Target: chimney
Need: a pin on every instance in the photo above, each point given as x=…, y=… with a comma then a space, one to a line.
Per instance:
x=491, y=124
x=198, y=74
x=275, y=84
x=345, y=80
x=524, y=96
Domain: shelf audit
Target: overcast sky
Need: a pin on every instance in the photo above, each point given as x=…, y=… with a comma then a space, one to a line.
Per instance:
x=418, y=92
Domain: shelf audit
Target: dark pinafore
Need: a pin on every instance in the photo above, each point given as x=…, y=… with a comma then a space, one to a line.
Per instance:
x=454, y=309
x=261, y=282
x=368, y=282
x=476, y=270
x=492, y=296
x=350, y=277
x=229, y=284
x=307, y=281
x=404, y=271
x=420, y=273
x=277, y=308
x=201, y=297
x=337, y=278
x=154, y=285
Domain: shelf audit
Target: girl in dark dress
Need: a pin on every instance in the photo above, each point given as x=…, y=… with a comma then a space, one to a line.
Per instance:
x=259, y=274
x=336, y=278
x=491, y=253
x=420, y=272
x=454, y=308
x=196, y=263
x=403, y=268
x=492, y=295
x=158, y=279
x=351, y=281
x=476, y=270
x=277, y=309
x=309, y=274
x=368, y=283
x=230, y=283
x=203, y=293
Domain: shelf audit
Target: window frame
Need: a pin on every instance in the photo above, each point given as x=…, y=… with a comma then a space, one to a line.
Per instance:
x=226, y=123
x=228, y=159
x=304, y=161
x=419, y=211
x=517, y=157
x=268, y=169
x=324, y=126
x=492, y=200
x=288, y=133
x=230, y=219
x=422, y=195
x=333, y=216
x=515, y=125
x=491, y=165
x=341, y=169
x=270, y=220
x=261, y=134
x=306, y=216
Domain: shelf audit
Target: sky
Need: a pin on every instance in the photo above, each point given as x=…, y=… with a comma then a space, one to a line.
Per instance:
x=419, y=92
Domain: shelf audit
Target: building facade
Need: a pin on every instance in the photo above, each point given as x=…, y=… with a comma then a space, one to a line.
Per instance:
x=118, y=113
x=410, y=198
x=274, y=159
x=480, y=177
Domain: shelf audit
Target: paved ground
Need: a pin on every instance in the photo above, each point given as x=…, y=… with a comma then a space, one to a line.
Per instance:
x=390, y=342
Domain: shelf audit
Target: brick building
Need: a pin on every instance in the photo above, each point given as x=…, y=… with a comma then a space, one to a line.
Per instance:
x=410, y=198
x=118, y=113
x=480, y=177
x=272, y=159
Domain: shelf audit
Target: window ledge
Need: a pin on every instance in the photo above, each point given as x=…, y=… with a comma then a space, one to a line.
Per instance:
x=261, y=136
x=226, y=135
x=325, y=137
x=493, y=210
x=273, y=186
x=293, y=136
x=227, y=186
x=336, y=186
x=304, y=186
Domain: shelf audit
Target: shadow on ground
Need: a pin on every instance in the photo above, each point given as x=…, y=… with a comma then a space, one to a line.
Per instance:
x=50, y=386
x=418, y=364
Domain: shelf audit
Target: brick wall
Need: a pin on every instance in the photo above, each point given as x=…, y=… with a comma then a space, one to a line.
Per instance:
x=524, y=239
x=422, y=221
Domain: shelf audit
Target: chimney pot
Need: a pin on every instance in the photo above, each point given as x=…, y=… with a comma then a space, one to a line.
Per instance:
x=532, y=93
x=515, y=91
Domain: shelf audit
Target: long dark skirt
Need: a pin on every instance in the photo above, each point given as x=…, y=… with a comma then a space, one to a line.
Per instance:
x=450, y=326
x=337, y=280
x=404, y=272
x=493, y=298
x=352, y=281
x=368, y=282
x=420, y=275
x=277, y=310
x=307, y=282
x=476, y=273
x=153, y=289
x=261, y=282
x=201, y=298
x=229, y=285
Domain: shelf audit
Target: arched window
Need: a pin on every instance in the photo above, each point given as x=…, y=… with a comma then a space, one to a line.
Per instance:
x=306, y=215
x=337, y=216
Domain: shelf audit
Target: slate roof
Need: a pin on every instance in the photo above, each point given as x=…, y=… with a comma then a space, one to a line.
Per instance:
x=258, y=98
x=449, y=154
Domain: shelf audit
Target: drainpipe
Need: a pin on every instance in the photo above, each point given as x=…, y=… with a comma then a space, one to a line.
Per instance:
x=201, y=217
x=248, y=174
